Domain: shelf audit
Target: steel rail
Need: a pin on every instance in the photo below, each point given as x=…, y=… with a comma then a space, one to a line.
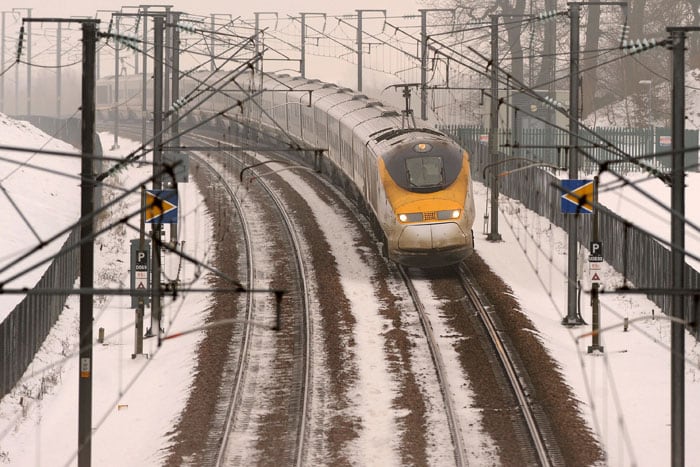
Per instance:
x=460, y=452
x=509, y=368
x=237, y=390
x=305, y=329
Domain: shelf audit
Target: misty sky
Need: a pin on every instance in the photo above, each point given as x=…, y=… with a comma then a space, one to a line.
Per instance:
x=236, y=8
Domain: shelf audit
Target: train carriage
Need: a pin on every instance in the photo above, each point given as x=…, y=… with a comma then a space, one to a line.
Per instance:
x=415, y=182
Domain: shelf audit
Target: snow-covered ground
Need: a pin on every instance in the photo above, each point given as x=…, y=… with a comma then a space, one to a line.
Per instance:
x=135, y=400
x=624, y=392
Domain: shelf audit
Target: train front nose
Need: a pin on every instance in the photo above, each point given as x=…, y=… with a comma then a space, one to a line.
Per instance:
x=432, y=237
x=430, y=245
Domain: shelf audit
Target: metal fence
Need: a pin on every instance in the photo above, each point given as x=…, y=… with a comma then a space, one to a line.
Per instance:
x=550, y=145
x=25, y=328
x=643, y=260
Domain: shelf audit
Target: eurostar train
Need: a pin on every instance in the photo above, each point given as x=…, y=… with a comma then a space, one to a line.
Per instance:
x=415, y=182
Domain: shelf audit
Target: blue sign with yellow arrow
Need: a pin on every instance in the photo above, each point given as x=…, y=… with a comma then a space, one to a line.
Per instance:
x=161, y=206
x=577, y=197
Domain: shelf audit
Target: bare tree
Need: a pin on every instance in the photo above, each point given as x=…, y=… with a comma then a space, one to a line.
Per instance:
x=513, y=11
x=547, y=68
x=608, y=77
x=590, y=60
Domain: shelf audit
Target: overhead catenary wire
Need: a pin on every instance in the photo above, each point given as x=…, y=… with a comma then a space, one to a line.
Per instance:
x=617, y=58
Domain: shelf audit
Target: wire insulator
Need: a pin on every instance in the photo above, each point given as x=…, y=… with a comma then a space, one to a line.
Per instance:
x=178, y=104
x=553, y=103
x=547, y=15
x=635, y=47
x=128, y=41
x=19, y=44
x=624, y=34
x=186, y=27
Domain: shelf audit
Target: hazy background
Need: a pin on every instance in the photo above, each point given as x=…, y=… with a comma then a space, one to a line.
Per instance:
x=337, y=66
x=203, y=7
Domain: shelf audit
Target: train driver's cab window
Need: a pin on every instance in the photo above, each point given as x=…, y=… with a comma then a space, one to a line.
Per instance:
x=424, y=172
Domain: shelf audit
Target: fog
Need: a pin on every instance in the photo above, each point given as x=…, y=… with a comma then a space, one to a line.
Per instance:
x=44, y=78
x=206, y=7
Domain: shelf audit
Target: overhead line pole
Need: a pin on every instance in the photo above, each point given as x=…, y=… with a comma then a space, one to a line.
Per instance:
x=259, y=64
x=302, y=61
x=359, y=50
x=572, y=315
x=493, y=235
x=115, y=145
x=360, y=45
x=167, y=57
x=174, y=46
x=678, y=36
x=424, y=58
x=212, y=42
x=144, y=76
x=29, y=66
x=175, y=86
x=2, y=63
x=212, y=64
x=29, y=61
x=144, y=81
x=58, y=74
x=87, y=241
x=156, y=310
x=87, y=248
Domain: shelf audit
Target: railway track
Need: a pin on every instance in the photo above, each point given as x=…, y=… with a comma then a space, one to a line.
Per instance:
x=535, y=438
x=283, y=267
x=542, y=447
x=302, y=339
x=248, y=316
x=460, y=453
x=539, y=450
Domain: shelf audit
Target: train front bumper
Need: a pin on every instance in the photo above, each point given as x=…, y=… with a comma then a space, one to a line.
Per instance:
x=432, y=245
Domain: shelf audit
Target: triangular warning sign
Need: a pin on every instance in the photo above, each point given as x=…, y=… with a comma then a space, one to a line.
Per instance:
x=140, y=286
x=596, y=277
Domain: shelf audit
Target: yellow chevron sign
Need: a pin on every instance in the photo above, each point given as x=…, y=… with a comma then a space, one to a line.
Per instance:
x=578, y=196
x=161, y=206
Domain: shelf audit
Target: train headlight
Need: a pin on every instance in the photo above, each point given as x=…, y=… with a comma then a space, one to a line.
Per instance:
x=448, y=214
x=422, y=147
x=411, y=217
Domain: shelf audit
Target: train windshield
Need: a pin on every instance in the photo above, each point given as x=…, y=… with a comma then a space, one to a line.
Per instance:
x=425, y=172
x=425, y=167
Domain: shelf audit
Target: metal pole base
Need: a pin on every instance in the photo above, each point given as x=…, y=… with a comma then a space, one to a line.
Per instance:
x=572, y=321
x=494, y=237
x=134, y=355
x=114, y=146
x=149, y=333
x=595, y=348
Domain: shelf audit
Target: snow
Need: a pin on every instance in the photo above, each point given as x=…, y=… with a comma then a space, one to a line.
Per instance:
x=132, y=398
x=375, y=390
x=624, y=393
x=23, y=190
